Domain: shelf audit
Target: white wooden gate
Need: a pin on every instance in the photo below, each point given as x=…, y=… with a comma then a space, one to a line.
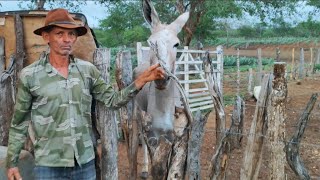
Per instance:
x=191, y=74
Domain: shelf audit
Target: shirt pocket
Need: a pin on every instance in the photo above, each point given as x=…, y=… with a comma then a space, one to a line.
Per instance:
x=86, y=101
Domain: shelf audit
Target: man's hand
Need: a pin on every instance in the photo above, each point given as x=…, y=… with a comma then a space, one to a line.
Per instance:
x=13, y=174
x=154, y=72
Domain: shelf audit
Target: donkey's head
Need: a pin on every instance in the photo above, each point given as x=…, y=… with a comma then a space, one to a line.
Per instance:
x=163, y=40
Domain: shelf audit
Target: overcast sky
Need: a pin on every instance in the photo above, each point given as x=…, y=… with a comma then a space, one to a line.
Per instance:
x=93, y=12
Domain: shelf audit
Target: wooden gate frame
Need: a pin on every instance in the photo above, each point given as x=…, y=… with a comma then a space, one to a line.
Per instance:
x=199, y=98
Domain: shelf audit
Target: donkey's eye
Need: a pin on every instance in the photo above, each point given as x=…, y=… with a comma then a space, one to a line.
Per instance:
x=176, y=45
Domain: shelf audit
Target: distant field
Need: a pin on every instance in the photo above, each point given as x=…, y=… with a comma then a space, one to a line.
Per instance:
x=245, y=42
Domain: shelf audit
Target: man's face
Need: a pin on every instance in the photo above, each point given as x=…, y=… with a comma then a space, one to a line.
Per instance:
x=60, y=40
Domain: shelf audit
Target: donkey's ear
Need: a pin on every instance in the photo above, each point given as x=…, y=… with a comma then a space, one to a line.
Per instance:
x=150, y=14
x=178, y=24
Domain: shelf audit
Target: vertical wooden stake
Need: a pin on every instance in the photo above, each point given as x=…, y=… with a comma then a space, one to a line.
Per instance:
x=250, y=81
x=301, y=65
x=108, y=124
x=259, y=67
x=292, y=66
x=238, y=72
x=276, y=122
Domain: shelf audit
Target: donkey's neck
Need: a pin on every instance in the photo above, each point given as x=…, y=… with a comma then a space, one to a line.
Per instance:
x=161, y=106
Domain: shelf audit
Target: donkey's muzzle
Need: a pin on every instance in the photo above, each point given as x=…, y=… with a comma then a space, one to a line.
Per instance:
x=162, y=84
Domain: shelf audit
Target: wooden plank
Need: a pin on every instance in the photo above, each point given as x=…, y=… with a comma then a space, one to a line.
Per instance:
x=189, y=72
x=192, y=81
x=198, y=90
x=198, y=94
x=188, y=62
x=195, y=51
x=200, y=103
x=253, y=152
x=202, y=108
x=107, y=122
x=200, y=99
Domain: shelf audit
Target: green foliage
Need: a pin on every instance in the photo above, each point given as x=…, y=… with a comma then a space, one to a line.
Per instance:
x=242, y=42
x=124, y=25
x=244, y=61
x=316, y=67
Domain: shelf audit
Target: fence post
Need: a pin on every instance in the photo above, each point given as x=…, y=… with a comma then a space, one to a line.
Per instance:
x=259, y=67
x=219, y=76
x=276, y=121
x=311, y=61
x=139, y=53
x=318, y=56
x=293, y=74
x=301, y=65
x=253, y=151
x=186, y=69
x=250, y=79
x=6, y=100
x=238, y=72
x=107, y=121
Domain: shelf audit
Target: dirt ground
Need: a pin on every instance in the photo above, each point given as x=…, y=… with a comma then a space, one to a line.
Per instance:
x=299, y=93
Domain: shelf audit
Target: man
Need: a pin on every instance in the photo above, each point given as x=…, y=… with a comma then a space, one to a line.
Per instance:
x=55, y=93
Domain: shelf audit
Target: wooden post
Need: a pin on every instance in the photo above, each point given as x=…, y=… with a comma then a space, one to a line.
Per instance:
x=238, y=72
x=6, y=100
x=293, y=76
x=139, y=53
x=20, y=53
x=276, y=122
x=311, y=62
x=301, y=65
x=318, y=56
x=293, y=146
x=197, y=133
x=107, y=122
x=180, y=150
x=186, y=69
x=250, y=82
x=124, y=78
x=219, y=75
x=259, y=67
x=253, y=152
x=237, y=120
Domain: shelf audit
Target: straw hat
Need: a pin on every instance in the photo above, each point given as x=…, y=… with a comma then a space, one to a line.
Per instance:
x=61, y=18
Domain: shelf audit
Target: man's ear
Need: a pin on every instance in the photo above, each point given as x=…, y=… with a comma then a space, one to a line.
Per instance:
x=45, y=36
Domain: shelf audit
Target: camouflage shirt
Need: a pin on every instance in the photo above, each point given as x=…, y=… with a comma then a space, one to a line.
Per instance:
x=60, y=112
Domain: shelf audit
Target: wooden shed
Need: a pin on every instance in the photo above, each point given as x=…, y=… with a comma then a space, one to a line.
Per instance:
x=17, y=27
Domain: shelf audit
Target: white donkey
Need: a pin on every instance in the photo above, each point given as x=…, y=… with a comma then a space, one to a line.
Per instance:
x=159, y=98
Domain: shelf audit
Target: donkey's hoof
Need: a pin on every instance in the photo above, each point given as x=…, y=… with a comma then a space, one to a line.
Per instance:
x=144, y=175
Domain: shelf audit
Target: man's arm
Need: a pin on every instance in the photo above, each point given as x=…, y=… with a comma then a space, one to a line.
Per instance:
x=105, y=92
x=19, y=127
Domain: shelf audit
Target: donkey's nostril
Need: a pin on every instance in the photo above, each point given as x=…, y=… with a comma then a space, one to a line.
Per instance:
x=176, y=45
